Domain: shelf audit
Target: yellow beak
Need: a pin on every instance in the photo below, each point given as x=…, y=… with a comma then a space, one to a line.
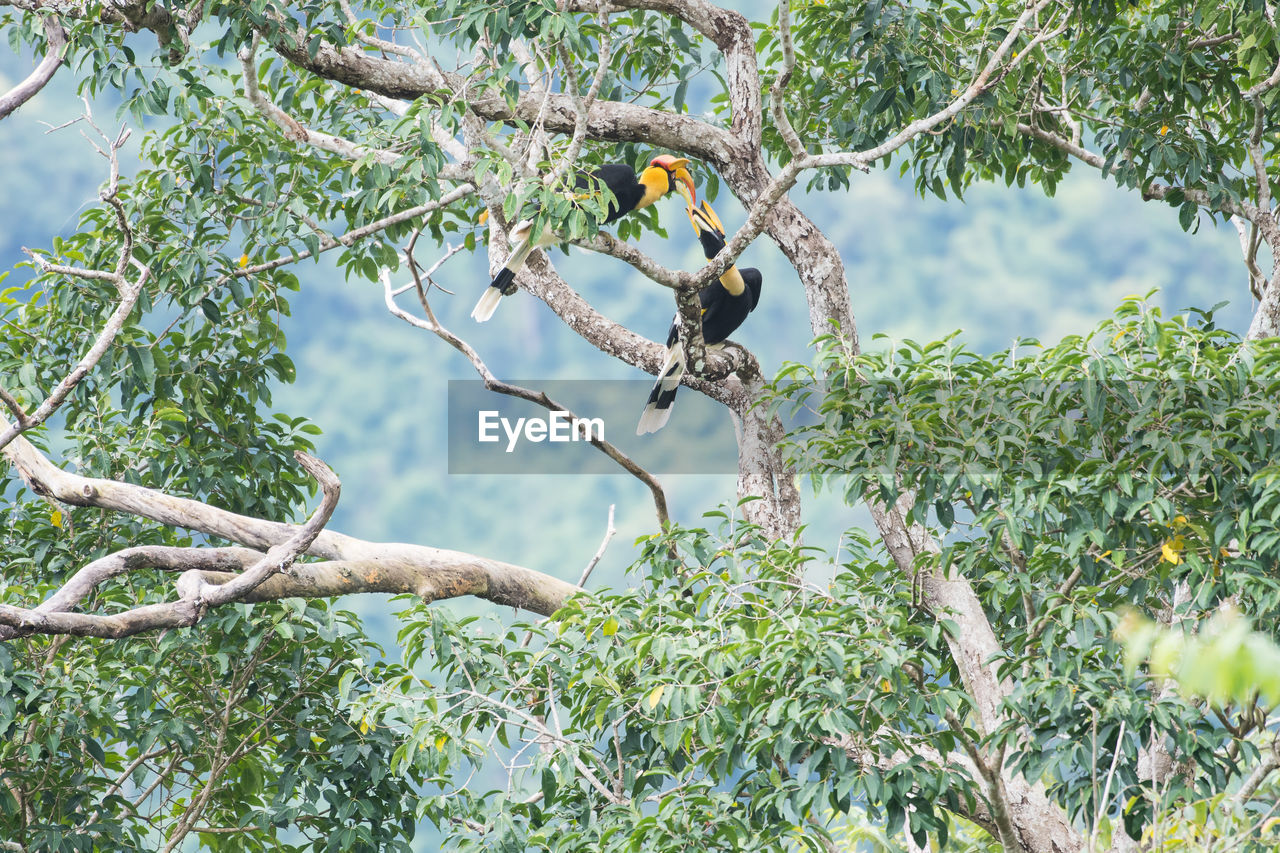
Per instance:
x=684, y=185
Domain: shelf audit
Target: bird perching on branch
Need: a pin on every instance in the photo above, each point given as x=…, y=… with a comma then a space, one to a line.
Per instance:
x=630, y=192
x=726, y=303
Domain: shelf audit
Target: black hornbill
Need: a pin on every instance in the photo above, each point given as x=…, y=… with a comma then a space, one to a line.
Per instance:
x=725, y=306
x=630, y=192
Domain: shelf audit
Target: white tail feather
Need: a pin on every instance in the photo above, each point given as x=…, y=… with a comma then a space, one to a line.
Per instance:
x=655, y=416
x=653, y=419
x=672, y=367
x=487, y=305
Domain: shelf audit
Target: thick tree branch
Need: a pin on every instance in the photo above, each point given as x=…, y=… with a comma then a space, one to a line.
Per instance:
x=606, y=120
x=55, y=40
x=195, y=596
x=431, y=573
x=295, y=131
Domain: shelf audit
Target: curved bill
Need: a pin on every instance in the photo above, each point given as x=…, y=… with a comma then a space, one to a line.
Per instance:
x=684, y=185
x=681, y=179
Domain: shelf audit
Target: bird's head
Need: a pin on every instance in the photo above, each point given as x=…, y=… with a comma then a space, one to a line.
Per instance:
x=678, y=176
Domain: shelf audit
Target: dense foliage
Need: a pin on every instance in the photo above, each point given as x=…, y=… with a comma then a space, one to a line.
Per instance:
x=229, y=733
x=734, y=694
x=740, y=693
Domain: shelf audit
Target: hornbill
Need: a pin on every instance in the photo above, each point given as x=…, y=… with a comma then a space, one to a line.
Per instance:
x=630, y=192
x=725, y=306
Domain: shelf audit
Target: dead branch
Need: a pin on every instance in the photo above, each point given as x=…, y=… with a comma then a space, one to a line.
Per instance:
x=352, y=565
x=492, y=383
x=195, y=597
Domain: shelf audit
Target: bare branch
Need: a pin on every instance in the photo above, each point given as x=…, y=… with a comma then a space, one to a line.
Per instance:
x=777, y=91
x=55, y=40
x=195, y=596
x=1249, y=245
x=492, y=383
x=609, y=531
x=131, y=292
x=607, y=244
x=431, y=573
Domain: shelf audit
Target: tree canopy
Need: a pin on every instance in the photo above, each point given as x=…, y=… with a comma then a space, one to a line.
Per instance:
x=993, y=664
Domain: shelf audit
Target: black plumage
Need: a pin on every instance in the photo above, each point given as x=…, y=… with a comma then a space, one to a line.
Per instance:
x=725, y=302
x=630, y=192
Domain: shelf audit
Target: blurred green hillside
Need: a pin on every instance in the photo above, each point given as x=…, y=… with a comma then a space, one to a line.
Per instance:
x=1002, y=264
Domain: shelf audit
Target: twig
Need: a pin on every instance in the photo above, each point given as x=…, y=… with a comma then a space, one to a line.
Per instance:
x=492, y=383
x=1106, y=787
x=609, y=531
x=130, y=293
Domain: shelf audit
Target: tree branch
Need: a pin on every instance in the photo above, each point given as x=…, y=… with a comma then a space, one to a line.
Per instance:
x=55, y=40
x=358, y=566
x=131, y=291
x=492, y=383
x=606, y=120
x=195, y=596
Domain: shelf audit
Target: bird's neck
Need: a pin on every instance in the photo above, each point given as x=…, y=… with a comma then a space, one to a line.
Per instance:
x=656, y=183
x=732, y=281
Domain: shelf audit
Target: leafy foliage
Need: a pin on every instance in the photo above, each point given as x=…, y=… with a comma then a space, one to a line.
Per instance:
x=229, y=730
x=745, y=694
x=722, y=702
x=1133, y=467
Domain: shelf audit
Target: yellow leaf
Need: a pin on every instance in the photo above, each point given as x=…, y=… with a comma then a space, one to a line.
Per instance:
x=610, y=627
x=56, y=518
x=440, y=742
x=244, y=261
x=1164, y=128
x=655, y=695
x=364, y=725
x=1179, y=520
x=1170, y=552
